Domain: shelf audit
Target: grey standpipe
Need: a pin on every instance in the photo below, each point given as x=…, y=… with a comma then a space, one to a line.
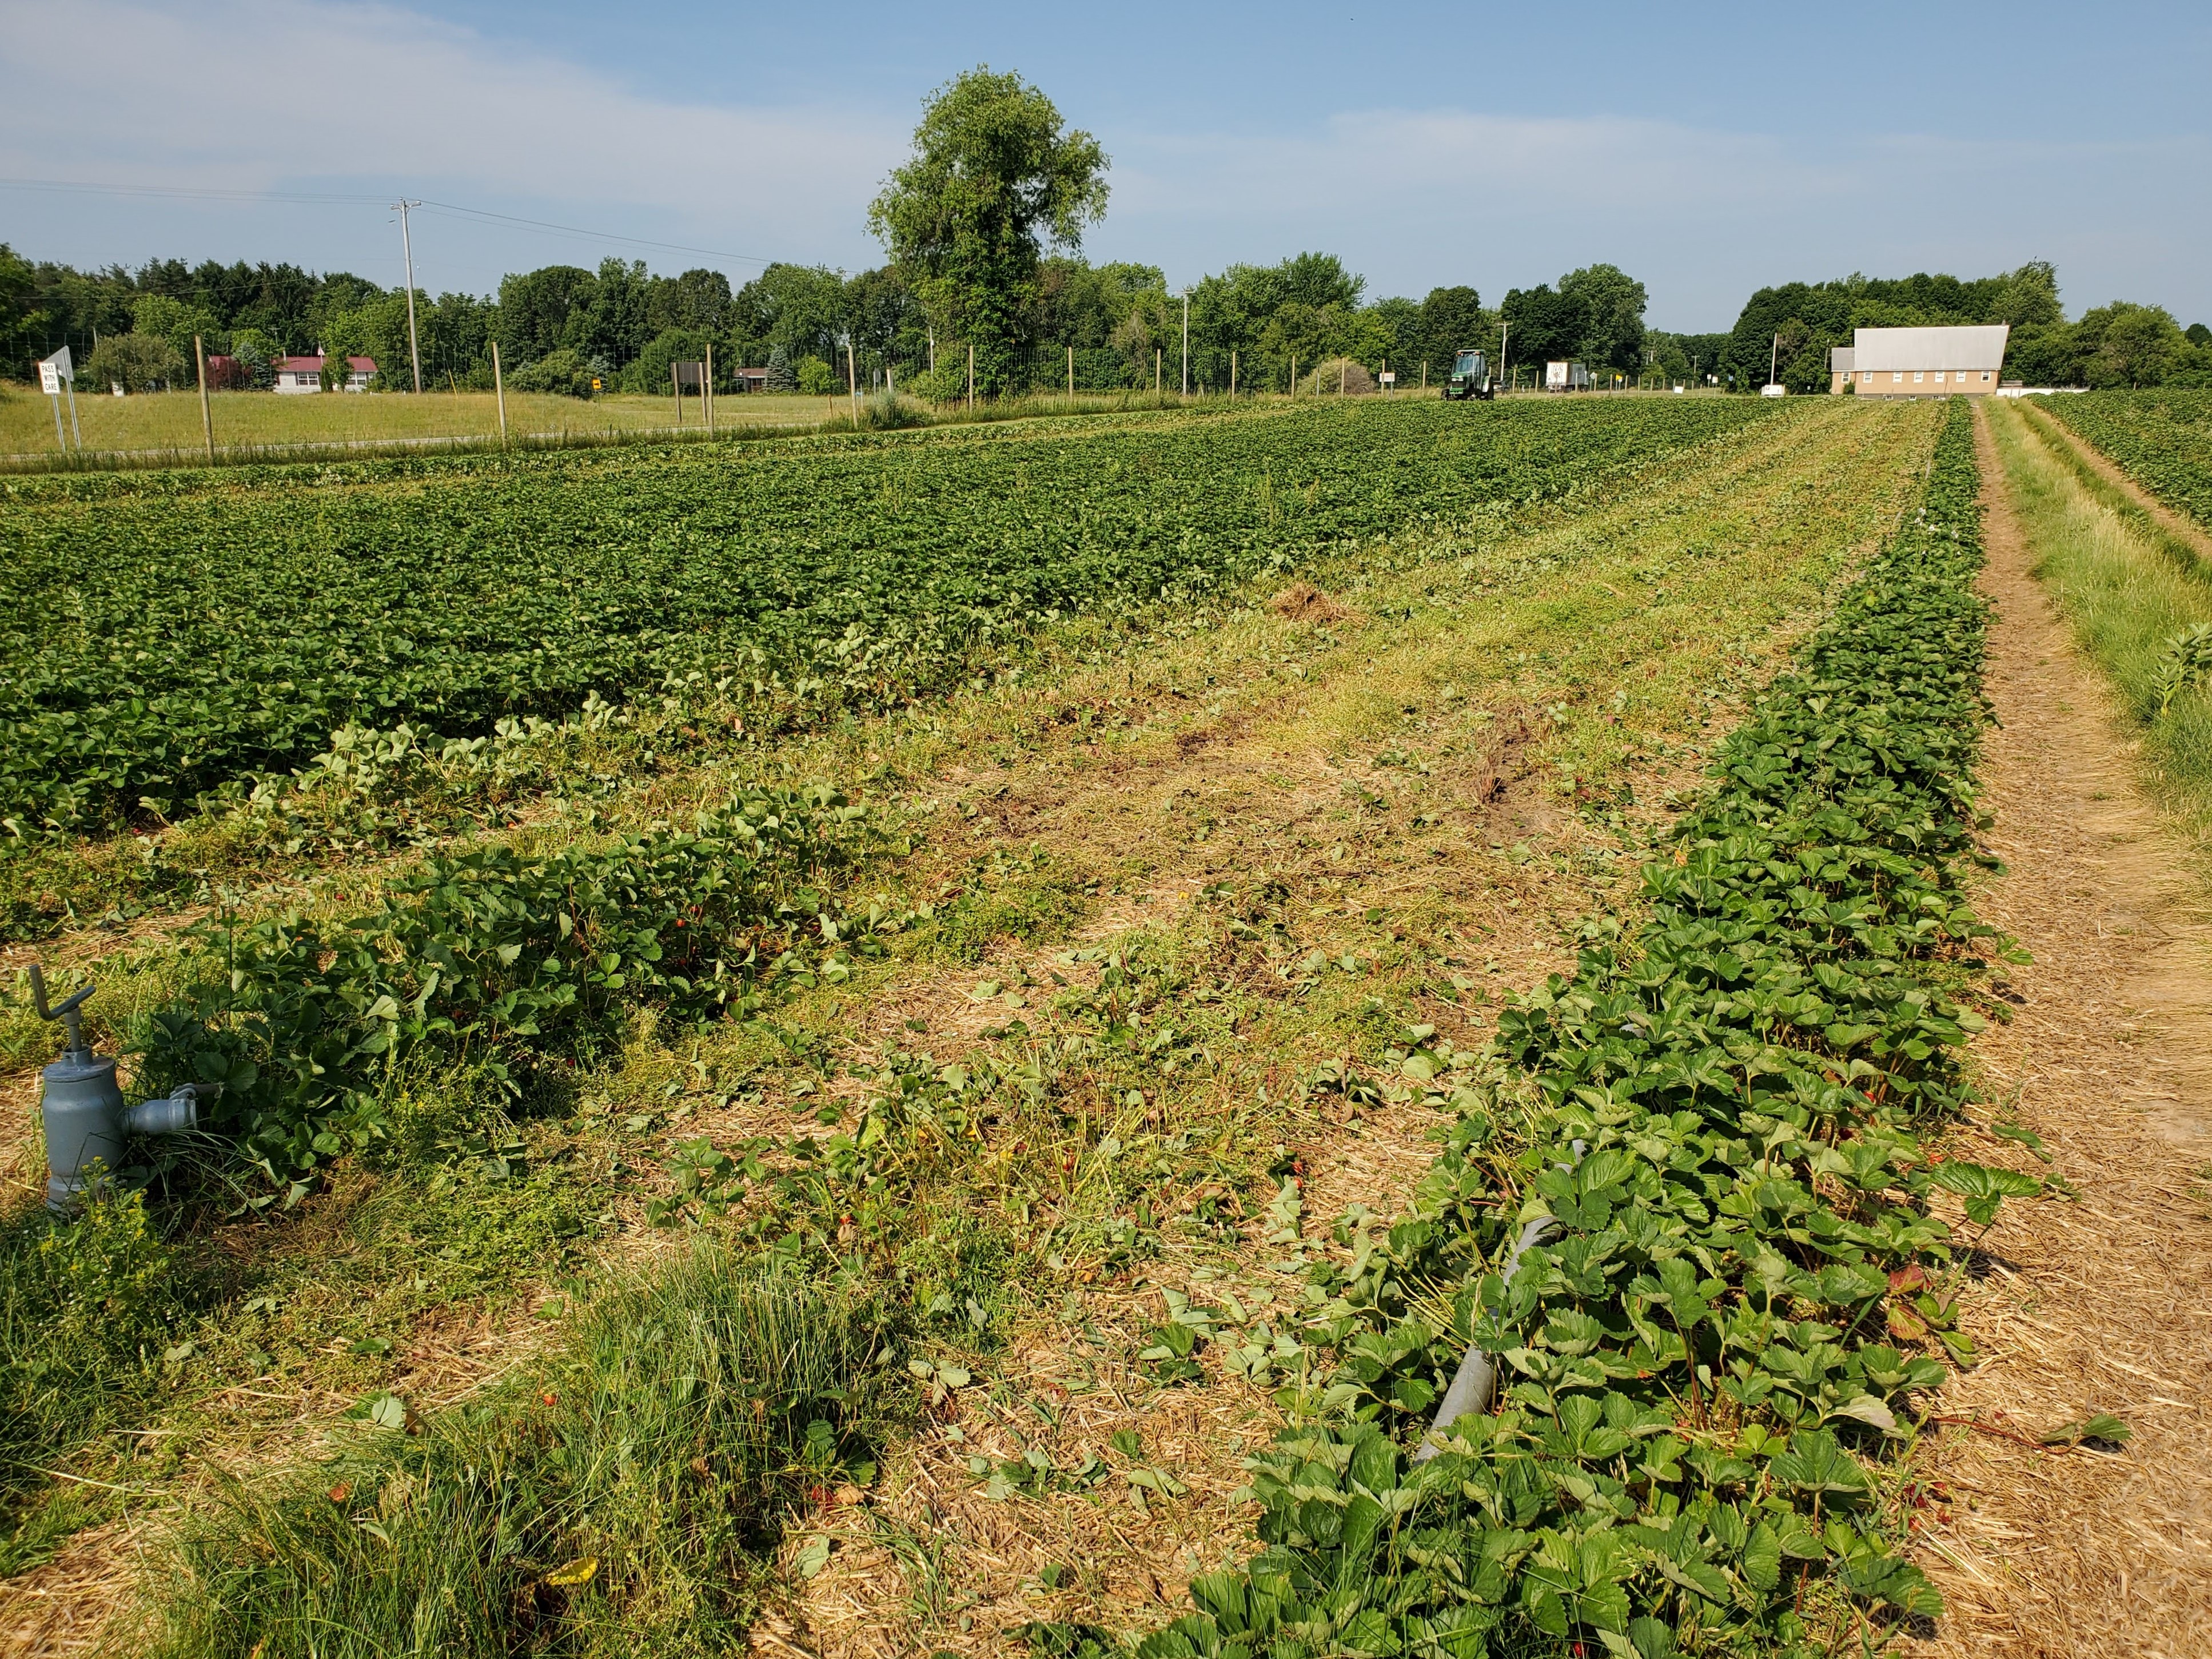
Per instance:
x=1476, y=1380
x=82, y=1106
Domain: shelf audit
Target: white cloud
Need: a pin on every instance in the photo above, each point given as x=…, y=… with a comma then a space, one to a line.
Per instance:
x=260, y=93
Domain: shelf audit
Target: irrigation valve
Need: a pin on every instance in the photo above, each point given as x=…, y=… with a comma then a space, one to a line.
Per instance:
x=86, y=1121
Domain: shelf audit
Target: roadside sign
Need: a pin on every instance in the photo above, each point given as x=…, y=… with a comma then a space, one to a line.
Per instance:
x=1389, y=377
x=49, y=379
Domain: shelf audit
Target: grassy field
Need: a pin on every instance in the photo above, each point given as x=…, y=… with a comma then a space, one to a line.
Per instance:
x=1140, y=974
x=264, y=420
x=251, y=426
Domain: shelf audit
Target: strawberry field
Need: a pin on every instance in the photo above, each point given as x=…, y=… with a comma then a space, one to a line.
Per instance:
x=169, y=640
x=1732, y=1148
x=883, y=1151
x=2162, y=438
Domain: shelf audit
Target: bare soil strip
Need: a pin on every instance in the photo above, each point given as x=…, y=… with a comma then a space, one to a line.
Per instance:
x=2105, y=1304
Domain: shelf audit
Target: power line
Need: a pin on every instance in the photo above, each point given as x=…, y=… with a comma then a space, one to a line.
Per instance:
x=601, y=235
x=185, y=193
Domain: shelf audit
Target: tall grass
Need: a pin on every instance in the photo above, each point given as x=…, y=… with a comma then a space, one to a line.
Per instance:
x=613, y=1499
x=88, y=1308
x=2129, y=589
x=275, y=433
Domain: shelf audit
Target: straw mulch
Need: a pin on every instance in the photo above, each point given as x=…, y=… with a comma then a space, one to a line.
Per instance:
x=2105, y=1304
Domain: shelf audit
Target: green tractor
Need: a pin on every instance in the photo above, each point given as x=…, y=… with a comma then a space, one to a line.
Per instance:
x=1470, y=378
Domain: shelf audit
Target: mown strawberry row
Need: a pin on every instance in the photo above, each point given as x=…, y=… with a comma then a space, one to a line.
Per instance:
x=1742, y=1295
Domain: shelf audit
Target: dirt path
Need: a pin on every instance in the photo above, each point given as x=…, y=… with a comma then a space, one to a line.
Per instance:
x=2105, y=1305
x=2057, y=432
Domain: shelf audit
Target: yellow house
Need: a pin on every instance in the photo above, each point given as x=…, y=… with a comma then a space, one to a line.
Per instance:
x=1920, y=363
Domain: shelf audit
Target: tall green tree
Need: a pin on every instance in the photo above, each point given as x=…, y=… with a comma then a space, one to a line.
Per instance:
x=995, y=176
x=18, y=304
x=1453, y=321
x=1612, y=304
x=2124, y=345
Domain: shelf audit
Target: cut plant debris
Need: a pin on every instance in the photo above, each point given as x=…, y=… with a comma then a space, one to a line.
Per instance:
x=1709, y=1359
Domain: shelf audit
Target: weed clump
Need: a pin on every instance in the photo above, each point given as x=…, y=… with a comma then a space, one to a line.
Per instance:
x=613, y=1499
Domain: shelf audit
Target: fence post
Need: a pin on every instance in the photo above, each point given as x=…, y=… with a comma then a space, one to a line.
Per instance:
x=706, y=391
x=207, y=419
x=499, y=391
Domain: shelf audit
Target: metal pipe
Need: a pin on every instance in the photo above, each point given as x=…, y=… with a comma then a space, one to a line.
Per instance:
x=1476, y=1381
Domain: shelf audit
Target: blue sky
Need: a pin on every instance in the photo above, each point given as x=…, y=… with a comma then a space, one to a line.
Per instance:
x=1707, y=150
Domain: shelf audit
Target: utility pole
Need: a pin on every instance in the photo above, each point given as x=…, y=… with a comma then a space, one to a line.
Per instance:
x=206, y=420
x=499, y=389
x=407, y=246
x=706, y=394
x=1774, y=360
x=853, y=382
x=1504, y=332
x=1185, y=343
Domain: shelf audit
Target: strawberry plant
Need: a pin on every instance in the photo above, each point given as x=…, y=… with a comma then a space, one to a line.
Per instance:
x=502, y=961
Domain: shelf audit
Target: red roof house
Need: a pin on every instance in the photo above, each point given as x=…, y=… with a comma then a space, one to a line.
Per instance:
x=305, y=373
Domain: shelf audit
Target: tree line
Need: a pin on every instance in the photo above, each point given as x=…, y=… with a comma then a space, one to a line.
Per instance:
x=2119, y=344
x=560, y=328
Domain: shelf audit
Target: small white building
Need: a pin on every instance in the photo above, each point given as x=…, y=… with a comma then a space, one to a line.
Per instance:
x=1920, y=363
x=305, y=373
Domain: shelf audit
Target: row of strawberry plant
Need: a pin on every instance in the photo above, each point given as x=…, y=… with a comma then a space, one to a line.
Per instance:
x=158, y=644
x=1743, y=1298
x=502, y=961
x=2162, y=439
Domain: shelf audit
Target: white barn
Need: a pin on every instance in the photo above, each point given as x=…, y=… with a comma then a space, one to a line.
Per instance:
x=1920, y=363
